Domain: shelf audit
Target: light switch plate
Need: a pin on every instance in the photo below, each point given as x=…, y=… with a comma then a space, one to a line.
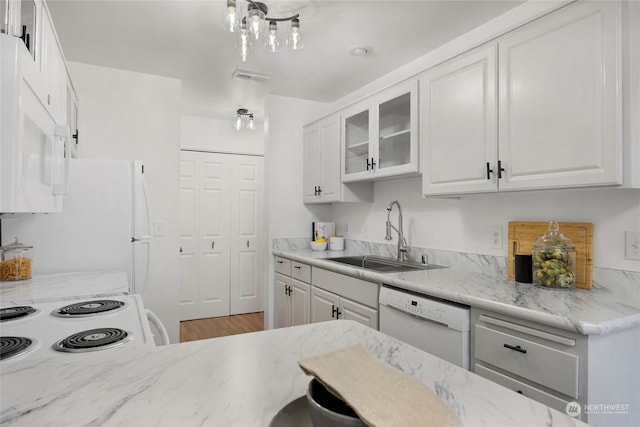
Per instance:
x=632, y=245
x=495, y=237
x=159, y=228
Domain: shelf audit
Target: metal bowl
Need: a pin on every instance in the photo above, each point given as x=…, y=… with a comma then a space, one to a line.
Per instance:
x=327, y=410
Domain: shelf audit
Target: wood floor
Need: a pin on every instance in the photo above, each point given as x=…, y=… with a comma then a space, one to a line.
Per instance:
x=213, y=327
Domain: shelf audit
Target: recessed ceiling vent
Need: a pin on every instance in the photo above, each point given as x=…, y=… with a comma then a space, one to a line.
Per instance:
x=250, y=75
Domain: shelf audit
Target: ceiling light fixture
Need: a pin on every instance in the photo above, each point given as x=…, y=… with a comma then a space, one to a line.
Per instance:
x=360, y=51
x=243, y=120
x=251, y=28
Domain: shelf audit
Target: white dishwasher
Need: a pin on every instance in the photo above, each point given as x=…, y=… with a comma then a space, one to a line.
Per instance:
x=433, y=325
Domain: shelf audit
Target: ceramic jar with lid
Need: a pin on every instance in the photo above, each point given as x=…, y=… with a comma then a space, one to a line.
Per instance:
x=554, y=260
x=16, y=261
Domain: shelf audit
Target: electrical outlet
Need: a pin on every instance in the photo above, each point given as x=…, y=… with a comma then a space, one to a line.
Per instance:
x=495, y=237
x=632, y=245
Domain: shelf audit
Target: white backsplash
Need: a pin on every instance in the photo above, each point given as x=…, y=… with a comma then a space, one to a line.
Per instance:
x=472, y=262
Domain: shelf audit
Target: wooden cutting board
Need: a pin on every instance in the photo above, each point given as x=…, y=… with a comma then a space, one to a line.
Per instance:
x=523, y=234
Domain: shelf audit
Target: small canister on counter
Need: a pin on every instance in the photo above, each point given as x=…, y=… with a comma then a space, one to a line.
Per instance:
x=336, y=243
x=16, y=261
x=554, y=260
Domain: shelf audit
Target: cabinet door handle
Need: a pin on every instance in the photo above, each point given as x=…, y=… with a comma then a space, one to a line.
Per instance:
x=500, y=169
x=373, y=163
x=180, y=249
x=297, y=266
x=489, y=171
x=319, y=191
x=315, y=190
x=279, y=262
x=368, y=164
x=247, y=243
x=334, y=311
x=213, y=244
x=516, y=348
x=338, y=313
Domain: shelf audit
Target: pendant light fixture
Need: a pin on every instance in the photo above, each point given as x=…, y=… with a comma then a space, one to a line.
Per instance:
x=243, y=120
x=231, y=17
x=253, y=27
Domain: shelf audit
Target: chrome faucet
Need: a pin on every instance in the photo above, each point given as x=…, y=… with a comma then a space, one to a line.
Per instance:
x=402, y=243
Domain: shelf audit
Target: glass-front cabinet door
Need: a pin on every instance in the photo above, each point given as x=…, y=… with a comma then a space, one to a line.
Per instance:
x=356, y=137
x=380, y=135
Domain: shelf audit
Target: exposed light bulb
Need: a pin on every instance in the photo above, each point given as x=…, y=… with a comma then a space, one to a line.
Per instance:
x=237, y=124
x=231, y=17
x=272, y=44
x=244, y=45
x=294, y=40
x=255, y=20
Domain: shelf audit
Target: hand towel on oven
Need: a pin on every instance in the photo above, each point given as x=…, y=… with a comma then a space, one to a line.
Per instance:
x=380, y=394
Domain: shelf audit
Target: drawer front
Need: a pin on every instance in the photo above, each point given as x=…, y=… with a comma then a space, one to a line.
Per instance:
x=301, y=271
x=522, y=388
x=355, y=289
x=282, y=266
x=537, y=362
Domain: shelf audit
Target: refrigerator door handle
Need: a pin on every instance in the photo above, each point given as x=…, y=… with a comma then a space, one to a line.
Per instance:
x=143, y=239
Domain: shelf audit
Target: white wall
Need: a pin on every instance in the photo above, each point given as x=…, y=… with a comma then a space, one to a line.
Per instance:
x=464, y=224
x=286, y=215
x=208, y=134
x=127, y=115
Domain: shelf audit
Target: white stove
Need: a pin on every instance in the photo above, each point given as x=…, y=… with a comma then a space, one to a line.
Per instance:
x=72, y=328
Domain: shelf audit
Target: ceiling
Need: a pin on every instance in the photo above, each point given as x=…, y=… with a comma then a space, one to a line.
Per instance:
x=184, y=39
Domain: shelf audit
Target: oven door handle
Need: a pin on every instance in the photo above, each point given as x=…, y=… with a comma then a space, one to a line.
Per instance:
x=155, y=320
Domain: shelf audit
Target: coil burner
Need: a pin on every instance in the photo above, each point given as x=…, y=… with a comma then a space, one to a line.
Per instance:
x=89, y=308
x=14, y=346
x=92, y=340
x=11, y=313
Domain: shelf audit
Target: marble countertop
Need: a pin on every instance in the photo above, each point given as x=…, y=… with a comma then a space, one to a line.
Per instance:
x=241, y=380
x=611, y=305
x=73, y=285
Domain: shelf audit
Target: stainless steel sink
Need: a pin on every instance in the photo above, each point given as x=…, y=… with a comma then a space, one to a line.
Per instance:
x=383, y=264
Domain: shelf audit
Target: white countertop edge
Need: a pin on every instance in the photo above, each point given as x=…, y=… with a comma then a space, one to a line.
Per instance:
x=585, y=327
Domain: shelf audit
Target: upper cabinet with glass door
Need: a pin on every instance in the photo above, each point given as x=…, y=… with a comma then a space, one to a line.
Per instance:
x=380, y=135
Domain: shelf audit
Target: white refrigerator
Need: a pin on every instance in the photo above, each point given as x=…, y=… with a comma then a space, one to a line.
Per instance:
x=104, y=224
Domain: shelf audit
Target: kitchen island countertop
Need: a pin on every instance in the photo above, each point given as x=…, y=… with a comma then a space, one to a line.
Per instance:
x=241, y=380
x=613, y=304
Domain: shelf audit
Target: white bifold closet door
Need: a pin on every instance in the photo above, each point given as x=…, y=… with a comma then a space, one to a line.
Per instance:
x=221, y=201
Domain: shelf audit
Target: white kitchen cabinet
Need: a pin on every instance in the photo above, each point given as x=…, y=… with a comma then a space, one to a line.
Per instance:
x=459, y=124
x=329, y=306
x=54, y=71
x=379, y=136
x=336, y=296
x=556, y=119
x=321, y=179
x=321, y=162
x=220, y=234
x=556, y=367
x=291, y=293
x=72, y=117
